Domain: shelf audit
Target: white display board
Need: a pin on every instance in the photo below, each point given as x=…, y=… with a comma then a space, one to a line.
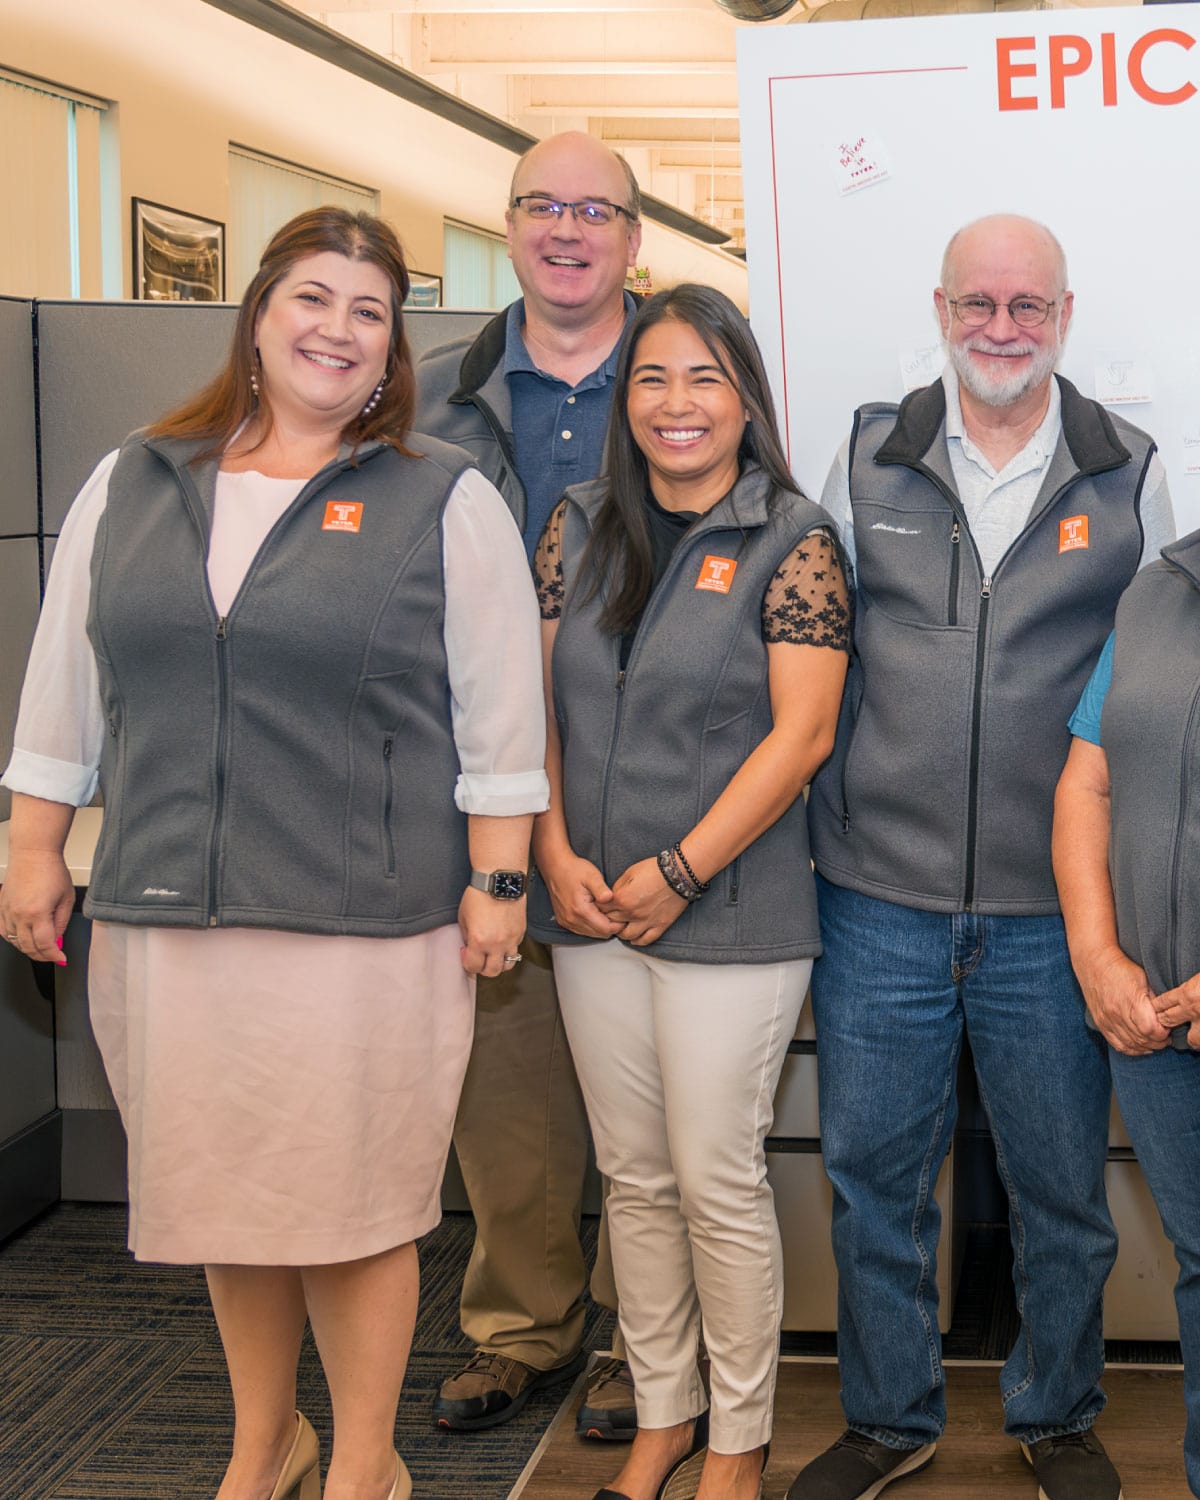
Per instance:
x=866, y=144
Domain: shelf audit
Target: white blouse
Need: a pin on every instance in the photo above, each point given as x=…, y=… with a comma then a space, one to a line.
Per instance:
x=491, y=635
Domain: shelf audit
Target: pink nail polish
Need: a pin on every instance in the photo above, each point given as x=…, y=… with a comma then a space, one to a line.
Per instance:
x=58, y=940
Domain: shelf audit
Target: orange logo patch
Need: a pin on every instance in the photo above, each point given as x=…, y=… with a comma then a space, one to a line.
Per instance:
x=342, y=515
x=1072, y=533
x=716, y=574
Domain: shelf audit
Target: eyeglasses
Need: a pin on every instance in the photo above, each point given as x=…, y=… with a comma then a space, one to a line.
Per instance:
x=592, y=213
x=1026, y=312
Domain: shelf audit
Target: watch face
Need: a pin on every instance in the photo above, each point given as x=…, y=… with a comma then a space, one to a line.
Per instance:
x=508, y=885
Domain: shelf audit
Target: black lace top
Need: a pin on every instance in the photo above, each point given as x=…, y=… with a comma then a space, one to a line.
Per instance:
x=807, y=602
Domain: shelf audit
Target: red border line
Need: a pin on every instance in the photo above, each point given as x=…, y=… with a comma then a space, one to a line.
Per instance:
x=867, y=73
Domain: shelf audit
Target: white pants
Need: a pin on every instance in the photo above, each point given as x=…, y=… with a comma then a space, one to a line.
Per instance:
x=679, y=1063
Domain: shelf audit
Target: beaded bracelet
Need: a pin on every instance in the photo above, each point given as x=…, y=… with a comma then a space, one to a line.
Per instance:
x=701, y=885
x=675, y=877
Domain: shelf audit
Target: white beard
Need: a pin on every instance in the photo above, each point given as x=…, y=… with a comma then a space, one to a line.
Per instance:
x=999, y=388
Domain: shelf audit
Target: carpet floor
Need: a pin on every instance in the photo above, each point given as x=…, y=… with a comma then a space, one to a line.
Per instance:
x=113, y=1386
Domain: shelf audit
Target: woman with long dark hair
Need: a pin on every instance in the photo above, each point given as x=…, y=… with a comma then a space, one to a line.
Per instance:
x=695, y=638
x=296, y=646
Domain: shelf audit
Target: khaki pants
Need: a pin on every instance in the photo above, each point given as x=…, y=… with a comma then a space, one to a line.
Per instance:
x=679, y=1063
x=522, y=1138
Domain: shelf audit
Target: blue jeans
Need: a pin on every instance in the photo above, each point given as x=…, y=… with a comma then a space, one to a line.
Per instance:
x=891, y=998
x=1159, y=1097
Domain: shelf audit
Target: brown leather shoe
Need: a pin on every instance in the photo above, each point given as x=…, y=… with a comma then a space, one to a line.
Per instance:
x=608, y=1409
x=492, y=1388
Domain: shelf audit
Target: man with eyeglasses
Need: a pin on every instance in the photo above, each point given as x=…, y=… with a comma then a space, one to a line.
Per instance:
x=995, y=518
x=528, y=398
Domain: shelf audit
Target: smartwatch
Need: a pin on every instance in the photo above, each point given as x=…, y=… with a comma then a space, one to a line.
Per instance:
x=505, y=885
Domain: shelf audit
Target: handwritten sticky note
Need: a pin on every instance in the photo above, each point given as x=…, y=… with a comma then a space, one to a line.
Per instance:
x=1191, y=447
x=859, y=160
x=1123, y=381
x=920, y=366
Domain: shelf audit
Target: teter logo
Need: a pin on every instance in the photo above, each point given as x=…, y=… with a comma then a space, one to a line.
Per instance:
x=716, y=574
x=342, y=515
x=1072, y=533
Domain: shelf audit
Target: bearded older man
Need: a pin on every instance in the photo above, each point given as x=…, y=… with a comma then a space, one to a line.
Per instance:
x=995, y=518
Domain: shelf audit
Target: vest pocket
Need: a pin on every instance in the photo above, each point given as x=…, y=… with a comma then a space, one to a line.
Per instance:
x=733, y=879
x=389, y=844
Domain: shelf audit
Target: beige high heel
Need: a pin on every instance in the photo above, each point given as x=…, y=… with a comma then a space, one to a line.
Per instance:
x=402, y=1489
x=300, y=1477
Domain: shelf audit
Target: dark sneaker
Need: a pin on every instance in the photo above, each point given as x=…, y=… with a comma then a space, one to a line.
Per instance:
x=1073, y=1466
x=857, y=1468
x=608, y=1410
x=491, y=1388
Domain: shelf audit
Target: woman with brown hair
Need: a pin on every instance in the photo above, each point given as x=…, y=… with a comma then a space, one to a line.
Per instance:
x=297, y=648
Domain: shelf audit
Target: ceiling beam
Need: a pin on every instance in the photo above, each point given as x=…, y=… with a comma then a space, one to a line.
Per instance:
x=300, y=30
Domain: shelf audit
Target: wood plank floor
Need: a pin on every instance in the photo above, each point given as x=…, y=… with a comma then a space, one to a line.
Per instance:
x=1142, y=1429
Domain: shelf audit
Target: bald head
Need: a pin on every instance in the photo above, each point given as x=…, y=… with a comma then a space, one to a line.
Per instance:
x=583, y=152
x=1020, y=244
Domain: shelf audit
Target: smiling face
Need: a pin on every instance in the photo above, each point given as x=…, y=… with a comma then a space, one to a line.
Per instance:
x=571, y=275
x=1002, y=363
x=323, y=338
x=686, y=416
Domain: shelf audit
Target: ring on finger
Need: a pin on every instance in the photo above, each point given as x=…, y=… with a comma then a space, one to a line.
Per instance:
x=10, y=937
x=513, y=958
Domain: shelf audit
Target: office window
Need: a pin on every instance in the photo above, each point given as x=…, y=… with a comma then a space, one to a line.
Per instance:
x=477, y=270
x=50, y=186
x=265, y=192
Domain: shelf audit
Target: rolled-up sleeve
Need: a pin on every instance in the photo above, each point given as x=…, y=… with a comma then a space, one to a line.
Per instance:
x=60, y=724
x=493, y=650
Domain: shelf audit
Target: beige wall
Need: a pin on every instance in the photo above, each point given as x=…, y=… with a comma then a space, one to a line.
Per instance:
x=188, y=79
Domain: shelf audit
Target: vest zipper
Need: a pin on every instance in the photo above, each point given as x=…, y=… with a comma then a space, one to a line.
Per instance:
x=389, y=847
x=735, y=875
x=612, y=750
x=985, y=595
x=955, y=554
x=1176, y=976
x=222, y=635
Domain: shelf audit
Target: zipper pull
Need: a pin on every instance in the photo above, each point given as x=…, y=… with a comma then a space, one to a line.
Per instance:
x=621, y=680
x=954, y=535
x=387, y=748
x=986, y=591
x=221, y=630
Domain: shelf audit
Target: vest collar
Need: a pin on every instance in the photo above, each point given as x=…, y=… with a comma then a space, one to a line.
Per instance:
x=1184, y=555
x=1088, y=433
x=745, y=505
x=481, y=358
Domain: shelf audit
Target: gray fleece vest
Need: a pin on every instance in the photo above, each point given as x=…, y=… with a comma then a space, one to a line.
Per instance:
x=953, y=732
x=647, y=751
x=291, y=765
x=1151, y=734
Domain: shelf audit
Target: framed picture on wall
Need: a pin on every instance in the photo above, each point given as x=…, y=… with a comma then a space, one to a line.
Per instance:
x=177, y=257
x=424, y=290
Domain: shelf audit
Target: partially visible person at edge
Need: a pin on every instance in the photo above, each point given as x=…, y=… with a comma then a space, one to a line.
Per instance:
x=996, y=517
x=1125, y=856
x=695, y=637
x=529, y=398
x=306, y=734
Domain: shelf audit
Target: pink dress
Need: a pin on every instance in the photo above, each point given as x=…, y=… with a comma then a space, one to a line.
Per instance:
x=288, y=1098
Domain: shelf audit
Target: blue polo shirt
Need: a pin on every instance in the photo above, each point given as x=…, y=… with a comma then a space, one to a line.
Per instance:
x=558, y=429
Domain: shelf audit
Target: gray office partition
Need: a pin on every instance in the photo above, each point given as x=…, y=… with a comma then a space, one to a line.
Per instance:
x=106, y=368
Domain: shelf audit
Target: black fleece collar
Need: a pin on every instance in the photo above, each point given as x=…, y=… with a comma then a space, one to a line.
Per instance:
x=1087, y=428
x=481, y=358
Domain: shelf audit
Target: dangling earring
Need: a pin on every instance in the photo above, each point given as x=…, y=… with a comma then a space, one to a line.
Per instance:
x=375, y=398
x=254, y=377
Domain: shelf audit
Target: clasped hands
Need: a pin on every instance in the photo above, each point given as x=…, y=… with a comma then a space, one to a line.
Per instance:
x=638, y=907
x=1132, y=1018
